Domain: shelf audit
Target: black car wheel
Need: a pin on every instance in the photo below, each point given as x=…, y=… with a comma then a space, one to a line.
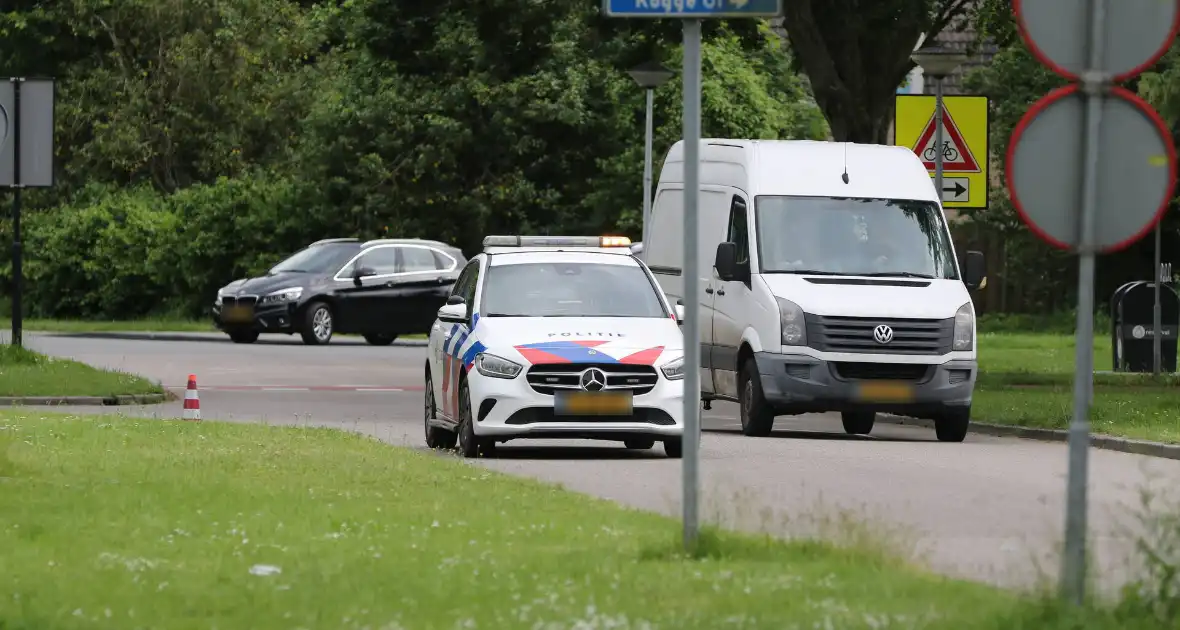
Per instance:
x=436, y=437
x=243, y=336
x=380, y=339
x=317, y=324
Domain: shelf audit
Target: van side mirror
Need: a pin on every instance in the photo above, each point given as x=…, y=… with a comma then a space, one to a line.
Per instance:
x=679, y=311
x=453, y=313
x=974, y=270
x=726, y=261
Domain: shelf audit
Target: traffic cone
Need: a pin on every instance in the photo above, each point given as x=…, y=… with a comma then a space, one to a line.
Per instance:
x=192, y=403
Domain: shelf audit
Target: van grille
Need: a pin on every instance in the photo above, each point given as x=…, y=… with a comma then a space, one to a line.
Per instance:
x=855, y=334
x=545, y=378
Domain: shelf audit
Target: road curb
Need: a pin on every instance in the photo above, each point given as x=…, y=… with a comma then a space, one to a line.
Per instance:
x=1104, y=442
x=181, y=336
x=50, y=401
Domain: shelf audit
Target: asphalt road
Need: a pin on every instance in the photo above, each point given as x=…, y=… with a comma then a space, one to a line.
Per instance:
x=989, y=508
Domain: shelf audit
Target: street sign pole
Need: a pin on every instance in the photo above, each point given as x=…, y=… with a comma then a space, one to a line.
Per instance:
x=1048, y=191
x=1157, y=314
x=1073, y=565
x=691, y=12
x=938, y=138
x=692, y=274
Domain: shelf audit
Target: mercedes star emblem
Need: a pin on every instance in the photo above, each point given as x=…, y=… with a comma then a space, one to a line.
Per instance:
x=593, y=380
x=883, y=334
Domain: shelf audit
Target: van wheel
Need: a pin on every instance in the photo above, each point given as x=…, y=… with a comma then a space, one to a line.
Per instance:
x=952, y=426
x=757, y=416
x=858, y=422
x=378, y=339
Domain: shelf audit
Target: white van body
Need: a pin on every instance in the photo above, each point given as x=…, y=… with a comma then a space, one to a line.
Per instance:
x=836, y=335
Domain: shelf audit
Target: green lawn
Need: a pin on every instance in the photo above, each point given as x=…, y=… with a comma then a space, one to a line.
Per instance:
x=1027, y=380
x=110, y=522
x=24, y=372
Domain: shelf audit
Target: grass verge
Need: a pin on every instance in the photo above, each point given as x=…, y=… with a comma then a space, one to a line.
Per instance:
x=113, y=522
x=1027, y=380
x=134, y=325
x=131, y=325
x=24, y=372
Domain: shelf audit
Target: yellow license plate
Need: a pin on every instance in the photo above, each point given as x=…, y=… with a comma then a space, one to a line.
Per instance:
x=237, y=314
x=885, y=392
x=593, y=404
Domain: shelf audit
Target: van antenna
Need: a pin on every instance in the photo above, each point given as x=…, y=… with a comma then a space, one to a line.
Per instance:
x=845, y=175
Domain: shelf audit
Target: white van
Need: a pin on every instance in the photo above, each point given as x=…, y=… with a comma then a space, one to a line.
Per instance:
x=829, y=283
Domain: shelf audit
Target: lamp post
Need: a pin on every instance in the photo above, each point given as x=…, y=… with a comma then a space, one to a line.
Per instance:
x=938, y=63
x=649, y=75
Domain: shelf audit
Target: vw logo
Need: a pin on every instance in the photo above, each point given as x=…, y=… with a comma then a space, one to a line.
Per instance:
x=593, y=380
x=883, y=334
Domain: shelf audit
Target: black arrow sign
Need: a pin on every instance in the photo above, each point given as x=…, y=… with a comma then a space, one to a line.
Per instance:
x=958, y=189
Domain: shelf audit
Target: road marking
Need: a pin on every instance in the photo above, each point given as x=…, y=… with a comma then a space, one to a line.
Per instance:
x=285, y=389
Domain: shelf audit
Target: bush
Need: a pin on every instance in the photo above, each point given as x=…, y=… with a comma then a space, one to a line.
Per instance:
x=124, y=254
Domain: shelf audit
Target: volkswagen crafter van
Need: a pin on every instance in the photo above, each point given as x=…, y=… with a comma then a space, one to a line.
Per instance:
x=829, y=283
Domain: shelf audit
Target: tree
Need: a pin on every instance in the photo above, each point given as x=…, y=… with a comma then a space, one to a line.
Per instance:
x=857, y=52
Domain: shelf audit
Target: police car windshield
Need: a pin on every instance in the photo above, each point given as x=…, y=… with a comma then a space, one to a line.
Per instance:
x=854, y=237
x=316, y=259
x=560, y=289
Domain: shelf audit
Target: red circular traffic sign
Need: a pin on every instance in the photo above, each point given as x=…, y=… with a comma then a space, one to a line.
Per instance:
x=1136, y=168
x=1135, y=34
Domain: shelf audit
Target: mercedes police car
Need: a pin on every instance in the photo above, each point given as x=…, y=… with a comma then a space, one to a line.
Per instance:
x=555, y=337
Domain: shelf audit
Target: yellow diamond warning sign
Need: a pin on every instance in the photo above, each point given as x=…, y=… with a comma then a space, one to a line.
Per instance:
x=965, y=144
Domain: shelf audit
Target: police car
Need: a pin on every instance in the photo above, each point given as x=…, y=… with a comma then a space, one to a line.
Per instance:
x=555, y=337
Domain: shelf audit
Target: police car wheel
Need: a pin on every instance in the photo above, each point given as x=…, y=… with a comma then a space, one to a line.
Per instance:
x=470, y=444
x=674, y=448
x=436, y=437
x=639, y=445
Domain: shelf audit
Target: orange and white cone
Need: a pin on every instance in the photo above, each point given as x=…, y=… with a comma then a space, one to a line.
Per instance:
x=192, y=403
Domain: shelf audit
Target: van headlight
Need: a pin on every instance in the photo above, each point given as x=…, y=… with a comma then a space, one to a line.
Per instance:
x=496, y=367
x=674, y=369
x=794, y=328
x=964, y=328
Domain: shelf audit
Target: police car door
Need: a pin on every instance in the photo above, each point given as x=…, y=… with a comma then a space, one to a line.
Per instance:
x=445, y=360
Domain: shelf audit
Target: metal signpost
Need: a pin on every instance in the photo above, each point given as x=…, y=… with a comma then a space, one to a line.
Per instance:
x=1109, y=199
x=26, y=161
x=691, y=12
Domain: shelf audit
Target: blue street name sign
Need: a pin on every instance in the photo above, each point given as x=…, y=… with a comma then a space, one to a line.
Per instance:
x=692, y=8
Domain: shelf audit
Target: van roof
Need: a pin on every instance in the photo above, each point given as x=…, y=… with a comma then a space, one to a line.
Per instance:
x=806, y=168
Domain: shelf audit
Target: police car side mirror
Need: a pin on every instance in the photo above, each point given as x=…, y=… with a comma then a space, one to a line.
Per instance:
x=453, y=313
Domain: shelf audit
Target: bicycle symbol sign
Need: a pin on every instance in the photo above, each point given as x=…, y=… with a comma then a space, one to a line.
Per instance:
x=949, y=153
x=963, y=149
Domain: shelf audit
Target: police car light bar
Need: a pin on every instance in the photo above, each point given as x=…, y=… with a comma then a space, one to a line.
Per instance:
x=556, y=241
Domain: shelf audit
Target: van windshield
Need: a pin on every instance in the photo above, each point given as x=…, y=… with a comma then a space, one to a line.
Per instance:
x=853, y=237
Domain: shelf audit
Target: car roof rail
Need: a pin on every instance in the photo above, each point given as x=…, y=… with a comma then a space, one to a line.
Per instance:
x=407, y=241
x=335, y=240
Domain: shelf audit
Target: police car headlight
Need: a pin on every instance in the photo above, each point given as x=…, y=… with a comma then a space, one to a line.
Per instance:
x=673, y=370
x=964, y=328
x=496, y=367
x=284, y=295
